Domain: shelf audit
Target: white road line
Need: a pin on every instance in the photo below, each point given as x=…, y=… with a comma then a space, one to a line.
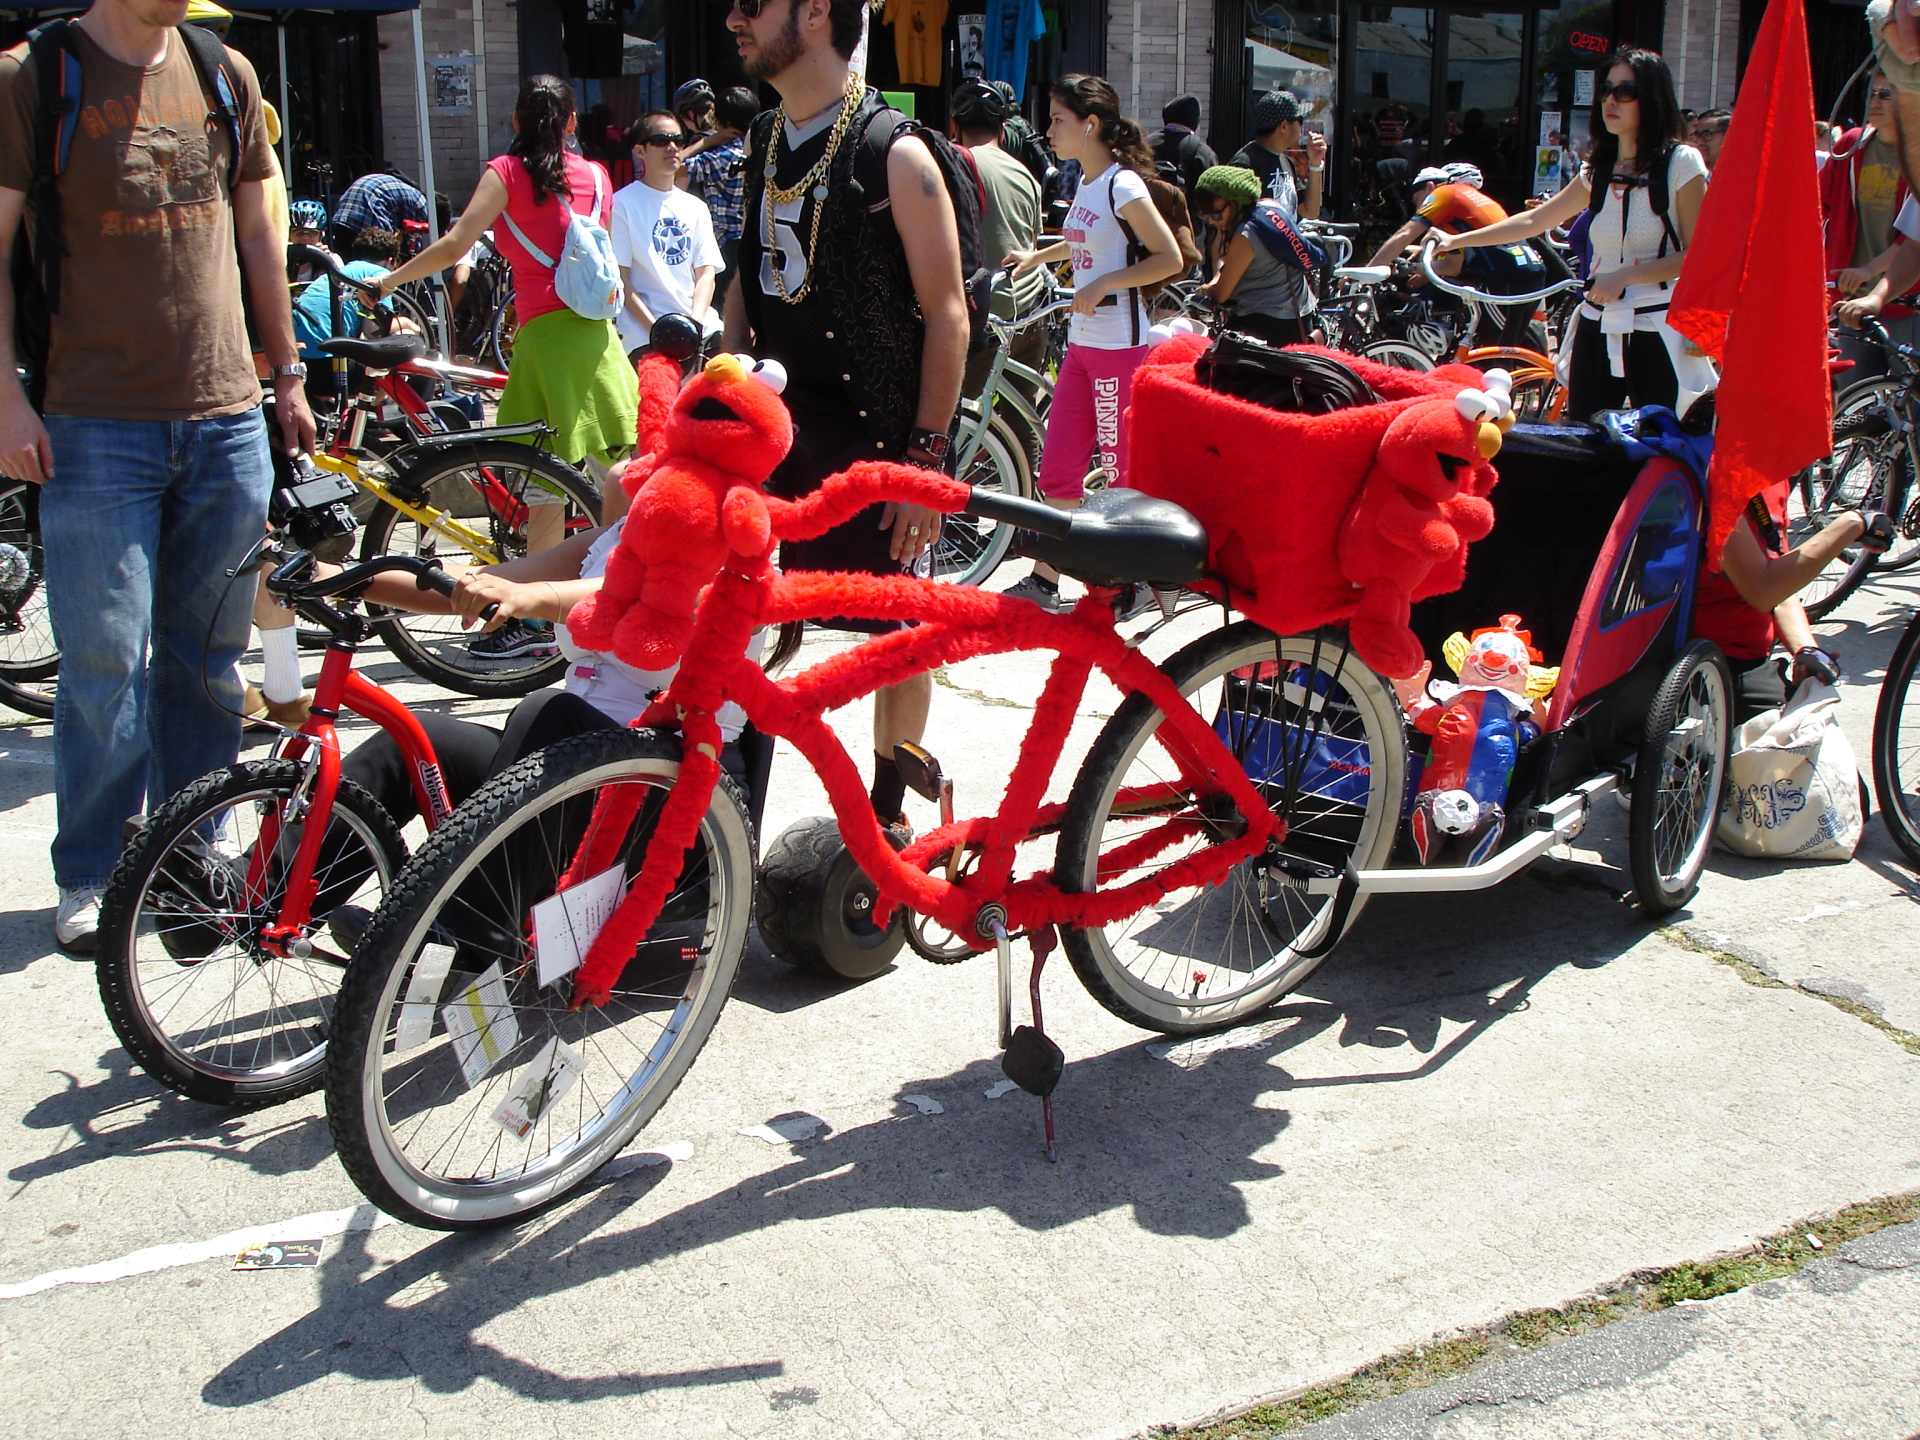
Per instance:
x=28, y=757
x=166, y=1257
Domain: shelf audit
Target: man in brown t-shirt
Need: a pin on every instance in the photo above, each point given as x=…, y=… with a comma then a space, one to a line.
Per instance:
x=153, y=451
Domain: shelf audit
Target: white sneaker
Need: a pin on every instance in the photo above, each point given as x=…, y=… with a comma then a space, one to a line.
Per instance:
x=78, y=917
x=1032, y=588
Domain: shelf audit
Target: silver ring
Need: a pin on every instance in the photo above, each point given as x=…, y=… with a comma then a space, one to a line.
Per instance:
x=913, y=529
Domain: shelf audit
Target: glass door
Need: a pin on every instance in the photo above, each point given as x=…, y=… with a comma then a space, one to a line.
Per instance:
x=1483, y=106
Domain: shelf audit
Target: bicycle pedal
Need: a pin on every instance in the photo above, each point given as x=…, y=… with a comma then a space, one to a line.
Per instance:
x=920, y=770
x=1033, y=1062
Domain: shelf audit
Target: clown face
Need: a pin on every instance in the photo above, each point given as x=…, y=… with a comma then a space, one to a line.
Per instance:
x=1496, y=661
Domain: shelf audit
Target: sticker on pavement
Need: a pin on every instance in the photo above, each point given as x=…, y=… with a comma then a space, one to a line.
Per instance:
x=564, y=925
x=480, y=1020
x=423, y=993
x=551, y=1076
x=280, y=1255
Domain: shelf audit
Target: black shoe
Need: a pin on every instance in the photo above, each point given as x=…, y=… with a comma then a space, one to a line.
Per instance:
x=514, y=639
x=347, y=924
x=194, y=901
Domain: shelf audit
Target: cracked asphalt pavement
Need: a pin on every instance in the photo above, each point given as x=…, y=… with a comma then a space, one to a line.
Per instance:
x=1480, y=1104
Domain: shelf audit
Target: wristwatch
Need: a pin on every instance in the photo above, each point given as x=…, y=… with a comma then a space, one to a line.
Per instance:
x=296, y=371
x=935, y=443
x=1811, y=660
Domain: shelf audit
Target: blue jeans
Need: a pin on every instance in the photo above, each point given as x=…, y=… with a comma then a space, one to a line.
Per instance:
x=141, y=522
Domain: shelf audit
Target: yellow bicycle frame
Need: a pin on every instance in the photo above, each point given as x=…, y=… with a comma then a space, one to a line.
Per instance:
x=438, y=521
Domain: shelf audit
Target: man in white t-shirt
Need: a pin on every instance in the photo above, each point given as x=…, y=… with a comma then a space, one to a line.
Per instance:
x=662, y=237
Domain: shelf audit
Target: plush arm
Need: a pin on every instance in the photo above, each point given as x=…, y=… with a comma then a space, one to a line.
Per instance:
x=868, y=482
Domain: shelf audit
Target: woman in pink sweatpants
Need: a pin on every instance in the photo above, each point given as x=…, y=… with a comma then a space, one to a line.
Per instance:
x=1117, y=242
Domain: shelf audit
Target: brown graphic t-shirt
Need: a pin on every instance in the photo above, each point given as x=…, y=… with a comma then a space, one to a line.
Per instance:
x=150, y=324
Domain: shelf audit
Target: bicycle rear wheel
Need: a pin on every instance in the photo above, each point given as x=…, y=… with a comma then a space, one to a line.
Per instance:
x=500, y=332
x=1870, y=467
x=1400, y=354
x=199, y=1003
x=1322, y=736
x=1896, y=744
x=462, y=1091
x=971, y=547
x=453, y=478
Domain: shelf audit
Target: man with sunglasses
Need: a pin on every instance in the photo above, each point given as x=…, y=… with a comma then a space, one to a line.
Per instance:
x=1707, y=132
x=849, y=276
x=662, y=237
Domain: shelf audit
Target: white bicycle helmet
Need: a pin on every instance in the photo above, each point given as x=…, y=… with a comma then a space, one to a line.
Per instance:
x=1461, y=173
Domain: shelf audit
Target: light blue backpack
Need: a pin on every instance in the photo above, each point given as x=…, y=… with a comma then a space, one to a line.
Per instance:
x=585, y=277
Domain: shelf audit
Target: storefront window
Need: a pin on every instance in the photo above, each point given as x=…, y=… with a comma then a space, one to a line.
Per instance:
x=1393, y=113
x=1483, y=101
x=1573, y=42
x=1296, y=47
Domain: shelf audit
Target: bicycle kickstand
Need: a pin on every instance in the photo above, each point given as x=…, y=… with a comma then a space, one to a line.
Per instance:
x=1031, y=1059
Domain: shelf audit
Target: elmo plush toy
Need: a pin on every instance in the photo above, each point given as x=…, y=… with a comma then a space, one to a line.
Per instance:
x=695, y=499
x=1405, y=537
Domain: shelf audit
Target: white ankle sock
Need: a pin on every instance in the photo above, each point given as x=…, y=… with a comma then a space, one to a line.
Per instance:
x=281, y=650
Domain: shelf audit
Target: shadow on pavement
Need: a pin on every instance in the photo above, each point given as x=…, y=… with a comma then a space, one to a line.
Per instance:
x=96, y=1117
x=1172, y=1133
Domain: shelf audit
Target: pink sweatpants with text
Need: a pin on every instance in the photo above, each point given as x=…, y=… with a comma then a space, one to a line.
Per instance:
x=1088, y=419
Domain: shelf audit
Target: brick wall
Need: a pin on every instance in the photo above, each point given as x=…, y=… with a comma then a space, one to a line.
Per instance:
x=1688, y=45
x=459, y=147
x=1150, y=60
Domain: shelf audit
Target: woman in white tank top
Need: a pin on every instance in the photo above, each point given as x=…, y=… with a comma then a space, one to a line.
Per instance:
x=1620, y=350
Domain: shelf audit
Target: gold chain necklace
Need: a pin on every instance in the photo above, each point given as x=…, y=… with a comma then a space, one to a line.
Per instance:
x=813, y=180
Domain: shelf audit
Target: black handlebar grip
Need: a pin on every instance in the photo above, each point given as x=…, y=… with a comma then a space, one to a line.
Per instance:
x=1014, y=510
x=441, y=583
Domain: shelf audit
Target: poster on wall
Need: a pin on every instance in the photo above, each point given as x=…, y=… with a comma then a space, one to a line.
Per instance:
x=1546, y=169
x=1583, y=87
x=1550, y=132
x=450, y=84
x=972, y=30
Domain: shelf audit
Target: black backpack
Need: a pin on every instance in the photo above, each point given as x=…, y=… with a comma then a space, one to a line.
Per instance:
x=1296, y=381
x=965, y=189
x=38, y=249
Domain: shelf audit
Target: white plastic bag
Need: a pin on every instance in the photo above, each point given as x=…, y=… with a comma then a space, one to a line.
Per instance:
x=1793, y=786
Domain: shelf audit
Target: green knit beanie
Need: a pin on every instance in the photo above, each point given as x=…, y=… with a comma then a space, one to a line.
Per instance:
x=1232, y=182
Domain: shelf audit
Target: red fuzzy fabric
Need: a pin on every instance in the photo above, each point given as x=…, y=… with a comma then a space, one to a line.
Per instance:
x=1275, y=492
x=699, y=501
x=659, y=388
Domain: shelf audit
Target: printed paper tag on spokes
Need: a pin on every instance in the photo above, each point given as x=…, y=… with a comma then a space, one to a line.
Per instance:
x=551, y=1075
x=480, y=1020
x=564, y=925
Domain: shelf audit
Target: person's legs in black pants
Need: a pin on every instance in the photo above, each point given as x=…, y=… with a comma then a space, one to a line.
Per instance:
x=1591, y=383
x=1758, y=687
x=1650, y=375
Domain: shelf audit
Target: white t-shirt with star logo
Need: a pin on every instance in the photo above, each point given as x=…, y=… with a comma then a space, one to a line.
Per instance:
x=660, y=238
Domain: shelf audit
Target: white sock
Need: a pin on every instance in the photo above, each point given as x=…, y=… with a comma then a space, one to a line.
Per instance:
x=281, y=650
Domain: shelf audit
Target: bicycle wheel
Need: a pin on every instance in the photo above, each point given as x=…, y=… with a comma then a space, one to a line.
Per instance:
x=29, y=655
x=1896, y=745
x=1680, y=779
x=499, y=1101
x=434, y=647
x=500, y=332
x=971, y=547
x=199, y=1003
x=411, y=308
x=1868, y=466
x=1401, y=354
x=1323, y=737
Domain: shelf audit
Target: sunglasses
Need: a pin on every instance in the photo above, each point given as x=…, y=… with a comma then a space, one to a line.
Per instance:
x=660, y=140
x=1883, y=94
x=750, y=8
x=1626, y=92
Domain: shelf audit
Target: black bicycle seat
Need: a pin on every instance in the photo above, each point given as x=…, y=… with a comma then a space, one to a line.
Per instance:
x=1120, y=537
x=387, y=353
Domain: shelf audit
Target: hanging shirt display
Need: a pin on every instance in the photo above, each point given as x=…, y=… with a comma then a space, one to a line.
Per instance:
x=1012, y=27
x=916, y=38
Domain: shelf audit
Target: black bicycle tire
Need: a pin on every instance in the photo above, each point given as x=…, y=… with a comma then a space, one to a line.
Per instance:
x=27, y=699
x=42, y=667
x=120, y=917
x=377, y=537
x=1864, y=561
x=499, y=341
x=1655, y=895
x=1888, y=785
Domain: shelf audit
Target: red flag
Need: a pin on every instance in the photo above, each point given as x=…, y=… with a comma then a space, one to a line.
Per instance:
x=1753, y=290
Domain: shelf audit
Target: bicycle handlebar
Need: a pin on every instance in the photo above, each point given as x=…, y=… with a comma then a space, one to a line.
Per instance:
x=1329, y=227
x=1467, y=292
x=285, y=580
x=313, y=255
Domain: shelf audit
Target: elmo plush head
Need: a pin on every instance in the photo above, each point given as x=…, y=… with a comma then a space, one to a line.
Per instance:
x=1441, y=450
x=731, y=416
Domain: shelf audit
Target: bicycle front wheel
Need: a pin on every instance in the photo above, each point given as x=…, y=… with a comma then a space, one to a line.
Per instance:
x=463, y=1089
x=197, y=1000
x=1869, y=468
x=1322, y=737
x=1896, y=744
x=475, y=483
x=29, y=655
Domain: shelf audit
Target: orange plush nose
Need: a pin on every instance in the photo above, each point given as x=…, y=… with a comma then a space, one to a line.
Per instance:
x=1490, y=438
x=726, y=370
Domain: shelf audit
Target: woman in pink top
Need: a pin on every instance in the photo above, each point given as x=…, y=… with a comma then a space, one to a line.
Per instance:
x=566, y=370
